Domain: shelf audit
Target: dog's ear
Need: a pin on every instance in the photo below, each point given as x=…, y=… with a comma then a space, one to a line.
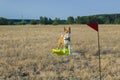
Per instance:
x=69, y=30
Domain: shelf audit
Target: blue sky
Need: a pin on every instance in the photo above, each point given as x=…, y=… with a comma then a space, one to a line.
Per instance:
x=33, y=9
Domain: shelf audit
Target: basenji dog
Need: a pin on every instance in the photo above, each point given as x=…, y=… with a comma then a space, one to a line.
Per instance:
x=64, y=40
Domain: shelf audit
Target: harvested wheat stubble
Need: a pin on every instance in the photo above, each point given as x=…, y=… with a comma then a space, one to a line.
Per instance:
x=25, y=53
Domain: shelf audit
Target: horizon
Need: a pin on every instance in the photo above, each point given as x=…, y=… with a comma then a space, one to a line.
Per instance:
x=60, y=18
x=24, y=9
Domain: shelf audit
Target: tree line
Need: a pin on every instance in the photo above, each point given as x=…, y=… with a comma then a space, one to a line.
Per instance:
x=101, y=19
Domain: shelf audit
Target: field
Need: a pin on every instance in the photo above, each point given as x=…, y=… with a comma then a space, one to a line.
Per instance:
x=26, y=53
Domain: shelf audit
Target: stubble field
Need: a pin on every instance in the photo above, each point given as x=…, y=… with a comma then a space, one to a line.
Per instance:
x=26, y=53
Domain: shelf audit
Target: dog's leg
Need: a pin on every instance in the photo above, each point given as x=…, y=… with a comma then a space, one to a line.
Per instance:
x=59, y=44
x=64, y=49
x=60, y=41
x=69, y=49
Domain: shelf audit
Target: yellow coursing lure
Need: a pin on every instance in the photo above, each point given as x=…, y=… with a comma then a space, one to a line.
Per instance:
x=61, y=51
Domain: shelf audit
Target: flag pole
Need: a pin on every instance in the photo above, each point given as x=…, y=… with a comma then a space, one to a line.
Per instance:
x=95, y=27
x=99, y=54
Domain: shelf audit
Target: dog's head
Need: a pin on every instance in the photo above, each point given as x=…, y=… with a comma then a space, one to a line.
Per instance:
x=66, y=31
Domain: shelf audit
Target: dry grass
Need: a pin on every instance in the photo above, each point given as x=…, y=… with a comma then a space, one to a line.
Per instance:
x=25, y=53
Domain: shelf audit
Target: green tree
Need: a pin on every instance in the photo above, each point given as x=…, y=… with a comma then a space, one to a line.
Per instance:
x=23, y=22
x=100, y=19
x=84, y=20
x=11, y=23
x=77, y=20
x=3, y=21
x=33, y=22
x=50, y=21
x=43, y=20
x=56, y=21
x=117, y=21
x=70, y=20
x=107, y=21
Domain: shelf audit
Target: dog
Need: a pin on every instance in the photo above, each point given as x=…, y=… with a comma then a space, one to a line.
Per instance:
x=64, y=40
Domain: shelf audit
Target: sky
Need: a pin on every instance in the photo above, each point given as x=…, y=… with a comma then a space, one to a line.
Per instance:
x=33, y=9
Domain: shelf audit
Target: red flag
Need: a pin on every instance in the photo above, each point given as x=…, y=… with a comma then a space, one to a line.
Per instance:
x=94, y=26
